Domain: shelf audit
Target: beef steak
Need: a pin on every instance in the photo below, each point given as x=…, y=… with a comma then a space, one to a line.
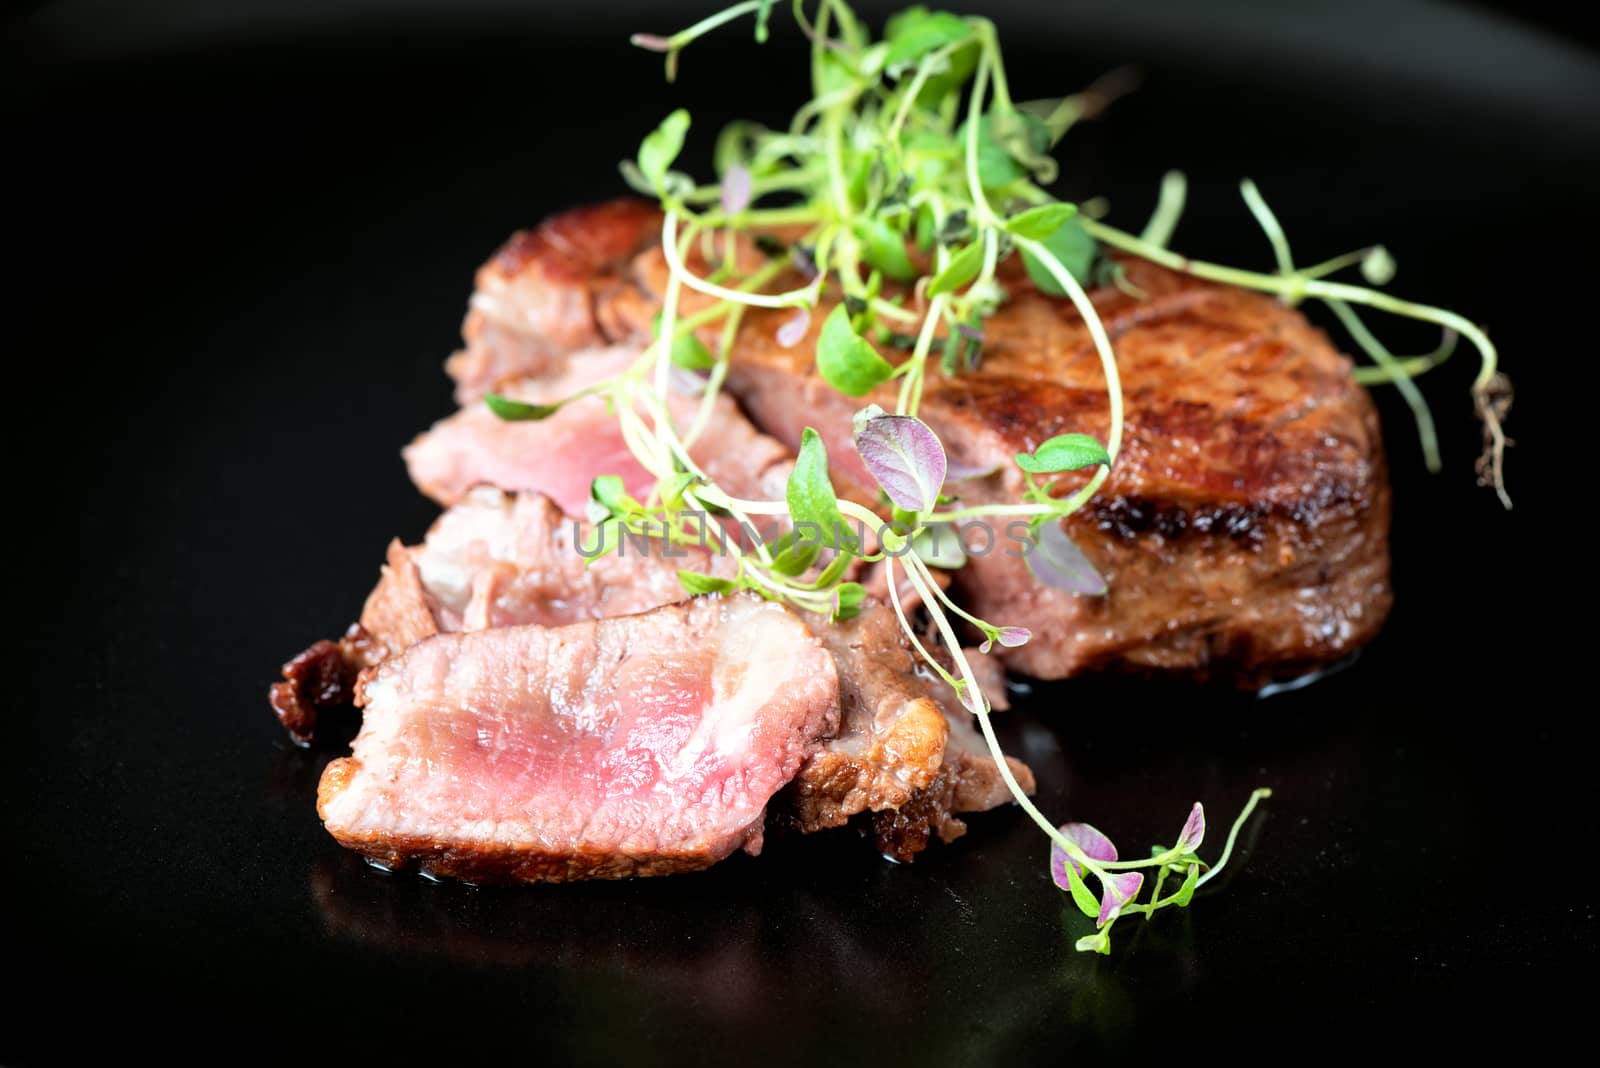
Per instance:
x=1244, y=529
x=638, y=745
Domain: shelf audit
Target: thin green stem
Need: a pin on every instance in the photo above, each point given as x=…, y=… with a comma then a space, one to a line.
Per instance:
x=711, y=22
x=1097, y=331
x=1402, y=382
x=1169, y=209
x=1298, y=286
x=1269, y=225
x=1233, y=834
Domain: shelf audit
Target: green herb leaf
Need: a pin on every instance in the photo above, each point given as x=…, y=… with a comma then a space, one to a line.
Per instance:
x=834, y=73
x=1186, y=891
x=513, y=411
x=610, y=493
x=810, y=494
x=607, y=535
x=1037, y=224
x=831, y=574
x=962, y=61
x=1070, y=244
x=847, y=598
x=1082, y=896
x=1378, y=266
x=690, y=354
x=1099, y=942
x=950, y=353
x=671, y=489
x=884, y=249
x=635, y=179
x=847, y=361
x=662, y=146
x=792, y=554
x=996, y=168
x=927, y=229
x=939, y=545
x=763, y=13
x=859, y=180
x=697, y=583
x=1026, y=139
x=960, y=271
x=1011, y=146
x=1064, y=452
x=687, y=350
x=916, y=31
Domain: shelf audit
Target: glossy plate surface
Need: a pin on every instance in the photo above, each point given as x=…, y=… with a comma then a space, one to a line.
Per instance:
x=247, y=251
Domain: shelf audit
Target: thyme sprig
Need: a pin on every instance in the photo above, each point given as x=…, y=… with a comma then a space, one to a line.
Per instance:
x=901, y=185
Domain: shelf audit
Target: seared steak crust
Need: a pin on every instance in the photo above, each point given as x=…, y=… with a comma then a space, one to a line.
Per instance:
x=906, y=749
x=537, y=299
x=1244, y=529
x=320, y=678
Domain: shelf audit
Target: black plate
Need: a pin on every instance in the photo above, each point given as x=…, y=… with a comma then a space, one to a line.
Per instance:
x=248, y=244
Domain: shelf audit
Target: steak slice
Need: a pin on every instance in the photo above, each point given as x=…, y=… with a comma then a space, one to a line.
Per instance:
x=534, y=305
x=1244, y=529
x=639, y=745
x=493, y=560
x=906, y=750
x=500, y=560
x=561, y=455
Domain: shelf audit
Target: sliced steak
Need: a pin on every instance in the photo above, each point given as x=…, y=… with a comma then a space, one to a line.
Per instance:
x=535, y=301
x=500, y=560
x=1244, y=530
x=493, y=560
x=640, y=745
x=906, y=749
x=560, y=456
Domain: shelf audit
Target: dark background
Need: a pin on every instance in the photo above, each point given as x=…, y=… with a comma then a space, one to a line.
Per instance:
x=244, y=236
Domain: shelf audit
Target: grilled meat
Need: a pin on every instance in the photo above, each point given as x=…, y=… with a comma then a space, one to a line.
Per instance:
x=1244, y=529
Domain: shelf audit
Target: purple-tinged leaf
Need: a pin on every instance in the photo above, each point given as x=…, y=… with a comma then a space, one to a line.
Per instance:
x=793, y=332
x=1194, y=830
x=1010, y=637
x=1095, y=846
x=735, y=190
x=971, y=333
x=904, y=455
x=960, y=472
x=1117, y=890
x=650, y=42
x=1056, y=560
